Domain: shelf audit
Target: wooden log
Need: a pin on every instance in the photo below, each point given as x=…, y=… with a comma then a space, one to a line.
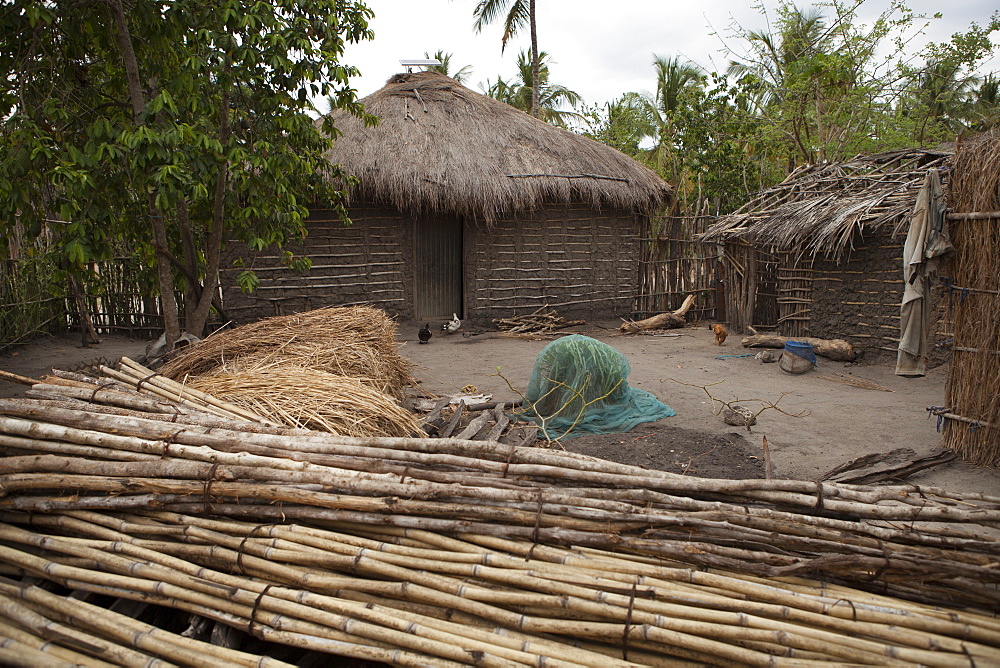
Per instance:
x=15, y=378
x=835, y=349
x=673, y=320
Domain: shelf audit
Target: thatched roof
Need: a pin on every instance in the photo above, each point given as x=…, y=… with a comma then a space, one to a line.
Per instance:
x=441, y=147
x=820, y=208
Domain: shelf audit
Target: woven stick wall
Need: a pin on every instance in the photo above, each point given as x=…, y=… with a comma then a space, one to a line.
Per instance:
x=360, y=263
x=673, y=265
x=972, y=415
x=578, y=261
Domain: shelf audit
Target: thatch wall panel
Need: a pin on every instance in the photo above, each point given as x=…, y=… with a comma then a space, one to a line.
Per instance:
x=580, y=262
x=972, y=398
x=365, y=262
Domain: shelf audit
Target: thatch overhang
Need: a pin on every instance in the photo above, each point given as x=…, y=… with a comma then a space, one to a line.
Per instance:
x=442, y=148
x=820, y=208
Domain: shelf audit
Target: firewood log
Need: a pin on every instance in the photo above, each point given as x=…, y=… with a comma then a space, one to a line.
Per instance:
x=673, y=320
x=835, y=349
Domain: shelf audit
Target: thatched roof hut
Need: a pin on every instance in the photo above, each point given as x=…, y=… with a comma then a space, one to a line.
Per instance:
x=825, y=208
x=442, y=148
x=467, y=205
x=820, y=254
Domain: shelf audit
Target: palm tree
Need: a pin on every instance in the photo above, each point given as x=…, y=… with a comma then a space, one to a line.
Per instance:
x=673, y=77
x=984, y=104
x=777, y=59
x=518, y=12
x=520, y=92
x=460, y=76
x=624, y=123
x=944, y=92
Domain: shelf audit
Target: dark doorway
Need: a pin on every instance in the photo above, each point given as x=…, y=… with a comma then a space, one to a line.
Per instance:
x=438, y=267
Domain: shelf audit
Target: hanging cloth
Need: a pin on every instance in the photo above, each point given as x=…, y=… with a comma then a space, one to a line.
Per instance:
x=927, y=244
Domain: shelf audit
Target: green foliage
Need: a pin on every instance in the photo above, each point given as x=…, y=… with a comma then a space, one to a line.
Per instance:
x=696, y=131
x=248, y=281
x=819, y=87
x=945, y=97
x=213, y=137
x=517, y=92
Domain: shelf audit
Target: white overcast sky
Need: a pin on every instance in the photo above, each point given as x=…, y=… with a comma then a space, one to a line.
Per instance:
x=598, y=49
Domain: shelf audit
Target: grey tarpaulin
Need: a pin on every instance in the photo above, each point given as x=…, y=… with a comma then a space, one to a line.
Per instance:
x=926, y=245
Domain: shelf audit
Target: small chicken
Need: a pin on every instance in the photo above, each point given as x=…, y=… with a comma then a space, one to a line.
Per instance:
x=720, y=333
x=452, y=325
x=425, y=334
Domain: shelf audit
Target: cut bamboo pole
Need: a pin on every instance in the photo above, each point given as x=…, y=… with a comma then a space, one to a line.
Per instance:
x=420, y=551
x=183, y=393
x=63, y=654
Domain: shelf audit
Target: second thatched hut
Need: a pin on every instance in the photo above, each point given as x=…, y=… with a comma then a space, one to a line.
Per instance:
x=467, y=205
x=821, y=254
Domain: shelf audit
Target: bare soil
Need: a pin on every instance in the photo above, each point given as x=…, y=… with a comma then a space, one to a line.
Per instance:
x=812, y=422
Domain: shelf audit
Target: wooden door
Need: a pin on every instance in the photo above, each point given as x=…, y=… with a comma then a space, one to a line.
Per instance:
x=438, y=267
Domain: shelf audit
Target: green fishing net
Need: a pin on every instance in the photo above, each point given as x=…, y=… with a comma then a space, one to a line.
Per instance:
x=578, y=386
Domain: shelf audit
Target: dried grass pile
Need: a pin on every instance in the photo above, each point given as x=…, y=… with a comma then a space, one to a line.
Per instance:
x=973, y=402
x=356, y=341
x=311, y=399
x=333, y=369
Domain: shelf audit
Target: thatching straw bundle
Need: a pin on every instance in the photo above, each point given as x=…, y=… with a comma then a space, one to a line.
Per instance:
x=312, y=399
x=357, y=341
x=974, y=300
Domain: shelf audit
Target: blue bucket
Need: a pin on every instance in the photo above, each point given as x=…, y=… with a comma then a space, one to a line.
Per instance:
x=802, y=349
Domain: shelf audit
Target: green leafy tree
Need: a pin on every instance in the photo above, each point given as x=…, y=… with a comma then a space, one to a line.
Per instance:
x=946, y=96
x=518, y=13
x=173, y=125
x=624, y=123
x=444, y=68
x=818, y=82
x=519, y=91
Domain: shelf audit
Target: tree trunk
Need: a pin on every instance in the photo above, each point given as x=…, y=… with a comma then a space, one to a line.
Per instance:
x=192, y=292
x=213, y=242
x=88, y=335
x=835, y=349
x=171, y=323
x=535, y=111
x=673, y=320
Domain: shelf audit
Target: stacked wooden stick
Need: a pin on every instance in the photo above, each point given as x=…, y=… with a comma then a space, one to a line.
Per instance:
x=446, y=551
x=542, y=319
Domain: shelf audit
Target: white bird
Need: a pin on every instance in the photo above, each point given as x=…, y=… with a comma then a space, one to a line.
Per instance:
x=452, y=325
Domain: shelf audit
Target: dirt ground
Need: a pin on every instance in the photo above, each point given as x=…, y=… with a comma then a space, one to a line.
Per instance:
x=820, y=420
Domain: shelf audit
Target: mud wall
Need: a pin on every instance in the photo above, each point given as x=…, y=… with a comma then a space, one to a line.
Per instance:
x=365, y=262
x=580, y=262
x=859, y=297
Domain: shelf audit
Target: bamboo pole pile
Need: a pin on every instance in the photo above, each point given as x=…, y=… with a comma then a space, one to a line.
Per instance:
x=416, y=551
